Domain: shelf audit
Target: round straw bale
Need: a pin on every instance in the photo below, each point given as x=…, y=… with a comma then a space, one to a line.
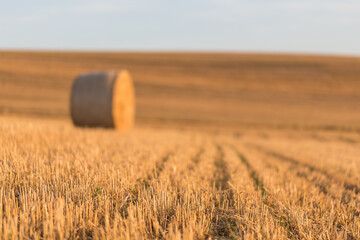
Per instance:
x=103, y=99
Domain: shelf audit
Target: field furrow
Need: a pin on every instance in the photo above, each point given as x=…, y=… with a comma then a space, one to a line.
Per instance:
x=349, y=185
x=297, y=194
x=224, y=219
x=338, y=159
x=281, y=214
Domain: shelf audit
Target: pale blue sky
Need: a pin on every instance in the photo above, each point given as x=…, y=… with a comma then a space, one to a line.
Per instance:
x=307, y=26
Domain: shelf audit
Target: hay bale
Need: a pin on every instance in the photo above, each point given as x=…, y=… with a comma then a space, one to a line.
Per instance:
x=103, y=99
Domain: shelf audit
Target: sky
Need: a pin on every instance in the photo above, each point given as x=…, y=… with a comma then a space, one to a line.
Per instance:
x=303, y=26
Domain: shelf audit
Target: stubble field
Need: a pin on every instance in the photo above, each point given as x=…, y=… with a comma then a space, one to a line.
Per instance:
x=226, y=146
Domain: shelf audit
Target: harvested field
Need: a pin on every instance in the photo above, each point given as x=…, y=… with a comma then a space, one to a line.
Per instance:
x=231, y=90
x=224, y=147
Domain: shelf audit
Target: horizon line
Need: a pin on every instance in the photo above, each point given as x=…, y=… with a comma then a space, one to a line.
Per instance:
x=185, y=51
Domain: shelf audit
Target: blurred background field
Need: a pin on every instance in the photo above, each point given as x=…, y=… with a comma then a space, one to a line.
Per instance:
x=195, y=89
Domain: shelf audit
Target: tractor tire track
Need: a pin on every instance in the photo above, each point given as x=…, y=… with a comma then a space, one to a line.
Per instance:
x=195, y=160
x=347, y=185
x=224, y=221
x=321, y=187
x=144, y=183
x=303, y=173
x=283, y=217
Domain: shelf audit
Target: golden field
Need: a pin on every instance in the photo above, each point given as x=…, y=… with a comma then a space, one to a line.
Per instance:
x=226, y=146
